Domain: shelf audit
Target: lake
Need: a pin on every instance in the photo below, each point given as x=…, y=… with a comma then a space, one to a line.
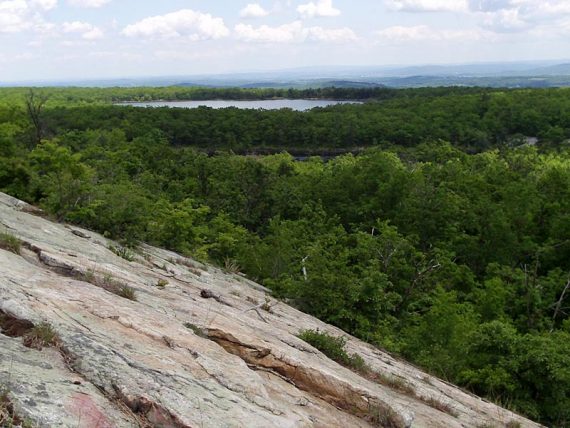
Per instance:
x=299, y=105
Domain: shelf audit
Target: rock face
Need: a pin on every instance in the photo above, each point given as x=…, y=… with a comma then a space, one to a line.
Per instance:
x=195, y=349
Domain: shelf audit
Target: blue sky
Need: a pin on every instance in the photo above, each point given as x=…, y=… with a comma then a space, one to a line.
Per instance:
x=82, y=39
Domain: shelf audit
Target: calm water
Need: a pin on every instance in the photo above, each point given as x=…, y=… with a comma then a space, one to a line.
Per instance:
x=299, y=105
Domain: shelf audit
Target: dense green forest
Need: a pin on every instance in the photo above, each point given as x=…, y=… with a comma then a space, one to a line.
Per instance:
x=473, y=119
x=445, y=240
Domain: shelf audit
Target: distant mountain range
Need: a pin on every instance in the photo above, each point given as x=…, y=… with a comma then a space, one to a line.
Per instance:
x=507, y=74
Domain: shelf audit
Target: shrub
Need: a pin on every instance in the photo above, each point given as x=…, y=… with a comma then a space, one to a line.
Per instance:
x=123, y=252
x=333, y=347
x=9, y=242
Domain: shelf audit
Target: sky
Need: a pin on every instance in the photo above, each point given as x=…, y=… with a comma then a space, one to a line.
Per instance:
x=94, y=39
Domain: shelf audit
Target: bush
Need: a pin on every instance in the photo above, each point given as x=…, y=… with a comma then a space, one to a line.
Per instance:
x=333, y=347
x=123, y=252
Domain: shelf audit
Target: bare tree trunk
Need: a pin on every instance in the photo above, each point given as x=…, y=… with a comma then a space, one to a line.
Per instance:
x=558, y=306
x=304, y=269
x=34, y=106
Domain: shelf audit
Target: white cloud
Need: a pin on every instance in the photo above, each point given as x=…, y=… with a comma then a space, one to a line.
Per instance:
x=265, y=34
x=294, y=32
x=500, y=16
x=504, y=21
x=88, y=3
x=422, y=33
x=20, y=15
x=12, y=16
x=253, y=10
x=183, y=23
x=429, y=5
x=521, y=15
x=84, y=29
x=76, y=27
x=334, y=35
x=44, y=4
x=93, y=34
x=322, y=8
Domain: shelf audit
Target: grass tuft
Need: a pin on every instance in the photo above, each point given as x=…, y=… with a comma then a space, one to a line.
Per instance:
x=110, y=284
x=440, y=405
x=393, y=382
x=231, y=266
x=126, y=292
x=42, y=335
x=384, y=417
x=9, y=242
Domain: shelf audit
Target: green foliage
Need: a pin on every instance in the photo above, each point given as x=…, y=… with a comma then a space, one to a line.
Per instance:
x=123, y=252
x=9, y=242
x=332, y=347
x=125, y=291
x=455, y=255
x=116, y=287
x=62, y=179
x=198, y=331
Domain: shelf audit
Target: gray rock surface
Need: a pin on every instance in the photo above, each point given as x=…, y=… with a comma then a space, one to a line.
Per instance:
x=173, y=358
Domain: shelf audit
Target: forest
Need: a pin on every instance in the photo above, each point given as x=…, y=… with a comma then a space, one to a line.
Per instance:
x=444, y=238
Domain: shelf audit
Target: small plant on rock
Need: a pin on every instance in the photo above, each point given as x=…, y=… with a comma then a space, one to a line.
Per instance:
x=126, y=292
x=393, y=382
x=197, y=330
x=116, y=287
x=162, y=283
x=231, y=266
x=9, y=242
x=41, y=336
x=123, y=252
x=267, y=306
x=440, y=405
x=333, y=347
x=384, y=417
